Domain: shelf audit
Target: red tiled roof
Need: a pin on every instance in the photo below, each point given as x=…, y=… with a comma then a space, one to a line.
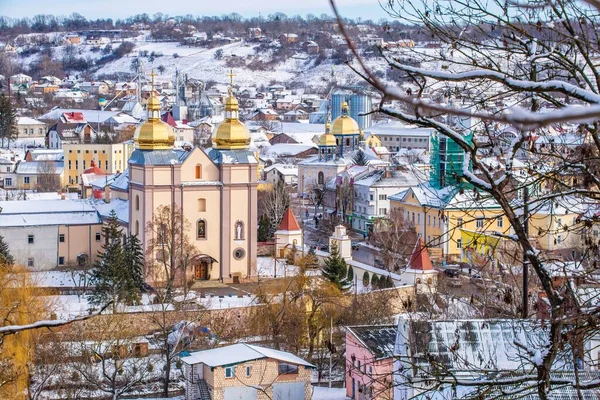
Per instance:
x=419, y=258
x=93, y=169
x=289, y=222
x=168, y=118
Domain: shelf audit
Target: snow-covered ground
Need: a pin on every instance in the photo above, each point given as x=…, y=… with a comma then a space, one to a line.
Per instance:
x=325, y=393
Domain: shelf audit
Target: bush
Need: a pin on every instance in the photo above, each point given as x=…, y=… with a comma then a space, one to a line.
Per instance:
x=374, y=282
x=366, y=279
x=175, y=55
x=124, y=48
x=350, y=274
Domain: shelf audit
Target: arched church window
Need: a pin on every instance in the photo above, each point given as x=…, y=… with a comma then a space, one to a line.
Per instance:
x=201, y=229
x=137, y=202
x=239, y=230
x=321, y=178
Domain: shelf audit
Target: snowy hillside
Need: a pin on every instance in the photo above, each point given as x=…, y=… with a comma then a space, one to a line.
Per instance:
x=200, y=63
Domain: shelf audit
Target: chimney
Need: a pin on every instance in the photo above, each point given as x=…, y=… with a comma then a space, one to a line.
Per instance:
x=107, y=194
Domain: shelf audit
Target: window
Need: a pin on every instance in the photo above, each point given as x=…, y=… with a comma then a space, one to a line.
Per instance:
x=61, y=238
x=137, y=228
x=321, y=178
x=371, y=197
x=285, y=368
x=383, y=211
x=248, y=370
x=82, y=259
x=198, y=171
x=459, y=222
x=70, y=164
x=26, y=180
x=239, y=253
x=419, y=218
x=30, y=239
x=76, y=164
x=383, y=197
x=30, y=262
x=83, y=164
x=229, y=372
x=479, y=222
x=61, y=261
x=201, y=229
x=434, y=221
x=558, y=239
x=499, y=222
x=137, y=202
x=106, y=164
x=459, y=243
x=7, y=181
x=98, y=236
x=429, y=220
x=87, y=152
x=358, y=365
x=201, y=205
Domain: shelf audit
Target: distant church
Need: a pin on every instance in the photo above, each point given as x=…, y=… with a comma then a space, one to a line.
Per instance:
x=215, y=189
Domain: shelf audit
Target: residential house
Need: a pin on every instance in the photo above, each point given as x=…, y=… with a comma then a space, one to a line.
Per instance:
x=126, y=88
x=44, y=88
x=291, y=150
x=311, y=47
x=282, y=138
x=244, y=371
x=76, y=96
x=370, y=197
x=295, y=116
x=20, y=79
x=100, y=119
x=95, y=40
x=7, y=176
x=44, y=155
x=30, y=128
x=286, y=173
x=29, y=173
x=288, y=38
x=51, y=79
x=369, y=361
x=95, y=88
x=287, y=103
x=71, y=128
x=45, y=234
x=72, y=38
x=254, y=33
x=263, y=114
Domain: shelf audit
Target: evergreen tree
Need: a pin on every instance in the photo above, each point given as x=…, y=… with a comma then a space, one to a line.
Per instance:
x=264, y=226
x=374, y=282
x=5, y=257
x=107, y=276
x=360, y=158
x=350, y=274
x=335, y=269
x=389, y=283
x=8, y=120
x=311, y=260
x=133, y=271
x=366, y=279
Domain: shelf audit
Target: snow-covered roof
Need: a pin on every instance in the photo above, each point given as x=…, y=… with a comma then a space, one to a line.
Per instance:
x=28, y=121
x=392, y=127
x=40, y=167
x=91, y=116
x=239, y=353
x=121, y=208
x=378, y=339
x=284, y=169
x=289, y=149
x=47, y=212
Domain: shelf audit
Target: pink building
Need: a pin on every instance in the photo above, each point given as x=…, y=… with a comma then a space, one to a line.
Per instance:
x=369, y=361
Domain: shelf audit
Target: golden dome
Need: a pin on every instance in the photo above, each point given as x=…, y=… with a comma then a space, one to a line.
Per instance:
x=327, y=139
x=231, y=134
x=344, y=124
x=154, y=134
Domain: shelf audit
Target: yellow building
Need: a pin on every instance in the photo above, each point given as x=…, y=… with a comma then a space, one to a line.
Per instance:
x=111, y=158
x=465, y=225
x=441, y=215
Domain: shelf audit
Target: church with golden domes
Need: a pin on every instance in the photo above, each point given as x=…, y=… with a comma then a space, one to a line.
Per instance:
x=336, y=147
x=215, y=189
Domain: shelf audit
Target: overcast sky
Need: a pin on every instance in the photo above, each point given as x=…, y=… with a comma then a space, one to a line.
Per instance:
x=125, y=8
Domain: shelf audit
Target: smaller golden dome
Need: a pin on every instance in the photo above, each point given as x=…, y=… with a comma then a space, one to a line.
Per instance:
x=232, y=103
x=344, y=124
x=327, y=140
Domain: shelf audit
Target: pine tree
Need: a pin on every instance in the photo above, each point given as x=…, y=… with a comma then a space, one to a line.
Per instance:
x=106, y=278
x=374, y=282
x=133, y=271
x=264, y=227
x=8, y=120
x=366, y=279
x=5, y=257
x=360, y=158
x=335, y=270
x=350, y=274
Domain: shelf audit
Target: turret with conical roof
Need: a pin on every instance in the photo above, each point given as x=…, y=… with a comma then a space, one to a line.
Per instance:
x=231, y=134
x=154, y=134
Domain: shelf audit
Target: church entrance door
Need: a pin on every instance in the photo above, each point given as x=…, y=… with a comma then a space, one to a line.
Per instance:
x=201, y=271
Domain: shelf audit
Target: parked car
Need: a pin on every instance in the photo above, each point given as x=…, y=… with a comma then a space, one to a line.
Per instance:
x=323, y=247
x=355, y=245
x=451, y=272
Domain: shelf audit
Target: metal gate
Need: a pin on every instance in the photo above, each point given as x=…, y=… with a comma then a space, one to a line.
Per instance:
x=240, y=393
x=289, y=391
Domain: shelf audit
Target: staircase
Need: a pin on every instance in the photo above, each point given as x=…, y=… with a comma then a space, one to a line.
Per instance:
x=203, y=392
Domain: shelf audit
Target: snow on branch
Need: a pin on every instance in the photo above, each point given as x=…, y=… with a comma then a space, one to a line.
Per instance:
x=13, y=329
